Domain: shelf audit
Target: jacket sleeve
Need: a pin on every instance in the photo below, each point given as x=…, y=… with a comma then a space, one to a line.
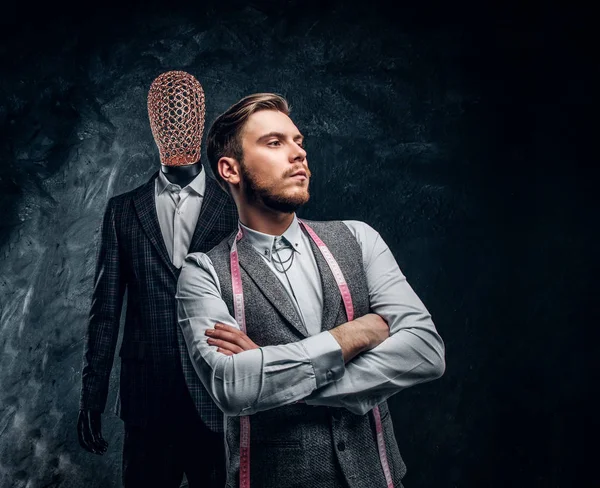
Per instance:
x=103, y=325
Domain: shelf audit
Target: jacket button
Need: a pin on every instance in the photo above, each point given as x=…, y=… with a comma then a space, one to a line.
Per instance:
x=341, y=446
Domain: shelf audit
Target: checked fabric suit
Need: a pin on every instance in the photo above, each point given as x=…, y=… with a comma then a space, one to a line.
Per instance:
x=157, y=376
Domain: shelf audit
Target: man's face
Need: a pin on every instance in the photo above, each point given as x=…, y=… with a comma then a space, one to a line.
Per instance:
x=274, y=168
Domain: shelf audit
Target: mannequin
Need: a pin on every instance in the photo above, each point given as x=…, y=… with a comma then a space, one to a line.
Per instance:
x=176, y=109
x=158, y=403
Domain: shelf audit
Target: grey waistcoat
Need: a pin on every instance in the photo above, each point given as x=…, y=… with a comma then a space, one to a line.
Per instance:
x=300, y=445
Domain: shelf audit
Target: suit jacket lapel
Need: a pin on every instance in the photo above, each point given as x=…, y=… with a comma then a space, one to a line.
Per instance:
x=332, y=299
x=145, y=207
x=213, y=202
x=268, y=283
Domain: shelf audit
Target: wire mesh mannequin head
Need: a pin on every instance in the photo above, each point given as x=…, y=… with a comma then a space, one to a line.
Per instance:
x=176, y=110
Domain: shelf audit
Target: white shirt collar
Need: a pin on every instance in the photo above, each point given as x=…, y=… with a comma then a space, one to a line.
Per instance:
x=264, y=243
x=198, y=184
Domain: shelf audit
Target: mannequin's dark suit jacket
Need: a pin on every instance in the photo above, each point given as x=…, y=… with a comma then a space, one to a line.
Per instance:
x=156, y=371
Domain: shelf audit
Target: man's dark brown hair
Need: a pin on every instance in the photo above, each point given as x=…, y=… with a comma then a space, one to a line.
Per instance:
x=224, y=137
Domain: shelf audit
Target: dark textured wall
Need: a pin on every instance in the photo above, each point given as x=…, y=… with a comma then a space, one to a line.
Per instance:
x=452, y=131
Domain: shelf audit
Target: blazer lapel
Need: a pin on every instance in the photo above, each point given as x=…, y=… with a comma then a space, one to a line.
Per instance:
x=145, y=207
x=332, y=299
x=213, y=202
x=268, y=284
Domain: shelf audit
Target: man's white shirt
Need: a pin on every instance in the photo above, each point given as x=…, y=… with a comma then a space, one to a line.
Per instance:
x=312, y=369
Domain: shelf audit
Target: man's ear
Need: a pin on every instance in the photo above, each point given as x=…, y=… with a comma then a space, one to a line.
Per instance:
x=229, y=170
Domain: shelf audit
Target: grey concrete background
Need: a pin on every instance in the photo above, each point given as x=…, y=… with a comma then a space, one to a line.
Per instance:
x=454, y=130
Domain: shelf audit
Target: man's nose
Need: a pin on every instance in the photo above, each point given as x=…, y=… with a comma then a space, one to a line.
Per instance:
x=298, y=154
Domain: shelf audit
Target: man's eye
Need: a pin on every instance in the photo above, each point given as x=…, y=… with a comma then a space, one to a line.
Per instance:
x=274, y=143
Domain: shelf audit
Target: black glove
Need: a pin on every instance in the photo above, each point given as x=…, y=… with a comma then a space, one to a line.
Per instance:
x=89, y=431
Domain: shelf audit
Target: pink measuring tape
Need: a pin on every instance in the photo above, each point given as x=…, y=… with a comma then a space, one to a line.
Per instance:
x=240, y=317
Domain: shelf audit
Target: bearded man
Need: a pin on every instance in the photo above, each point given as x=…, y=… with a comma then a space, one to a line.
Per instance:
x=299, y=330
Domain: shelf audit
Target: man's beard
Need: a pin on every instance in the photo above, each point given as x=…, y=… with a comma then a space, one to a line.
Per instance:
x=256, y=192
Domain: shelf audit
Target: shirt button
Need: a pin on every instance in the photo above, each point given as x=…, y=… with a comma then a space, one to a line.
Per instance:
x=341, y=446
x=329, y=373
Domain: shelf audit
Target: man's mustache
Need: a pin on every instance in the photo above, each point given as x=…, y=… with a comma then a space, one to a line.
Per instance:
x=291, y=171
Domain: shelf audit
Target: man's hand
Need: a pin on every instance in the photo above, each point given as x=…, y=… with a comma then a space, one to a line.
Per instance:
x=229, y=340
x=376, y=329
x=89, y=431
x=361, y=334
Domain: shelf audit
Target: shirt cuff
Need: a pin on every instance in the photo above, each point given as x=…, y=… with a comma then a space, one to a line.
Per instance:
x=326, y=357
